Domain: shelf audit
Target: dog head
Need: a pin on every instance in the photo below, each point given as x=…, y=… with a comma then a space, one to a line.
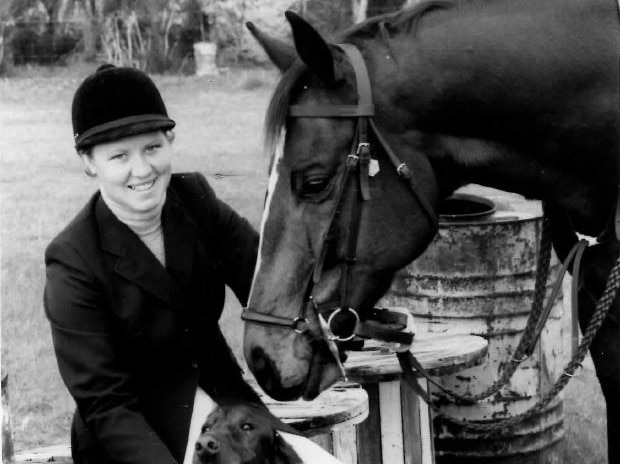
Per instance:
x=242, y=434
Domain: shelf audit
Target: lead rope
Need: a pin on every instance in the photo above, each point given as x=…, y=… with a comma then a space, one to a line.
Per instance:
x=528, y=339
x=535, y=323
x=495, y=427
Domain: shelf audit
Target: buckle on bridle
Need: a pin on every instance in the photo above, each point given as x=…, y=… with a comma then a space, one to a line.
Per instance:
x=403, y=170
x=338, y=338
x=363, y=148
x=352, y=159
x=300, y=321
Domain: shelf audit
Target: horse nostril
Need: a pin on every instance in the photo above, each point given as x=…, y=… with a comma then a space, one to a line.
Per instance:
x=259, y=359
x=263, y=369
x=268, y=377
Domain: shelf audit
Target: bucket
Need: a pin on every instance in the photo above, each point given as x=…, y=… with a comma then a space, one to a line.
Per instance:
x=204, y=56
x=477, y=277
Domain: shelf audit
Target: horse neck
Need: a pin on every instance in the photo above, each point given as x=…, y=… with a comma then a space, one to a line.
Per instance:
x=518, y=95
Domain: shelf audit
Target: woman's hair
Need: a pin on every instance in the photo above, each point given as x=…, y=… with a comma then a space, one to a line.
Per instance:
x=88, y=151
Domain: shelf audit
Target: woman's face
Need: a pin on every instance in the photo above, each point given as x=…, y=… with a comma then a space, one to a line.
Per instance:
x=134, y=171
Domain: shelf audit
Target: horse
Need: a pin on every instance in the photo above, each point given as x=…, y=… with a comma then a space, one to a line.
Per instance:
x=518, y=95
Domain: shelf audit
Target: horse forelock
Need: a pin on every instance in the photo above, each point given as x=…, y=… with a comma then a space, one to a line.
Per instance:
x=277, y=111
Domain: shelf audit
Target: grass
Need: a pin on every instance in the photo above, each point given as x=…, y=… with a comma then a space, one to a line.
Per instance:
x=42, y=186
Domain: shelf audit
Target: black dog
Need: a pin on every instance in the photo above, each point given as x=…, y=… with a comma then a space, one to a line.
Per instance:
x=243, y=434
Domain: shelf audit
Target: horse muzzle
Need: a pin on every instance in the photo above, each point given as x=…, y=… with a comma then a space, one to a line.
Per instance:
x=289, y=364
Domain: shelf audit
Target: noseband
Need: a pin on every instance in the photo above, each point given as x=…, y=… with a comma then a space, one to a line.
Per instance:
x=380, y=324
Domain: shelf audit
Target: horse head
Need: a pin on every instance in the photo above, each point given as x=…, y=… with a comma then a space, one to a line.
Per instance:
x=329, y=238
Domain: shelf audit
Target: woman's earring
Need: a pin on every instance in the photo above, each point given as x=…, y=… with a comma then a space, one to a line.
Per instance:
x=89, y=172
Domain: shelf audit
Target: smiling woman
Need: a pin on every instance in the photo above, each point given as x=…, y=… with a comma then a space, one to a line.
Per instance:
x=135, y=284
x=133, y=172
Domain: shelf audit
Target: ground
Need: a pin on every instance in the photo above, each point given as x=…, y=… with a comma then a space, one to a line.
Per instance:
x=42, y=185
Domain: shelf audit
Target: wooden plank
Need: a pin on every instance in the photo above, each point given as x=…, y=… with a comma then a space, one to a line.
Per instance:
x=426, y=429
x=439, y=354
x=391, y=423
x=343, y=404
x=344, y=441
x=412, y=441
x=369, y=431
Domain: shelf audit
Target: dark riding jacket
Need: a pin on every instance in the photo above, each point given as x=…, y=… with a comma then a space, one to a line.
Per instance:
x=133, y=340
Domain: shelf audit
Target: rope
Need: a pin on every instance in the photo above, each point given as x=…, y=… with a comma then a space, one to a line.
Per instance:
x=494, y=428
x=602, y=307
x=530, y=334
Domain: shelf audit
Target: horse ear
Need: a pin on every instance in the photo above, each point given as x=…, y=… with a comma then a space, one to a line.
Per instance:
x=312, y=48
x=280, y=53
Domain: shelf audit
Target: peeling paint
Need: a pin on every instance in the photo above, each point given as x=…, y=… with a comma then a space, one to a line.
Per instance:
x=479, y=279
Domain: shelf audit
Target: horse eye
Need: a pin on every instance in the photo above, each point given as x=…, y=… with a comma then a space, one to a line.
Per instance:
x=247, y=426
x=313, y=186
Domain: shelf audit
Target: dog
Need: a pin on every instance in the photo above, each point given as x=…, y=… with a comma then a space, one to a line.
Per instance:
x=243, y=434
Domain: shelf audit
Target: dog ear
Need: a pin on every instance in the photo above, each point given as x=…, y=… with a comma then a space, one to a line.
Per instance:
x=284, y=453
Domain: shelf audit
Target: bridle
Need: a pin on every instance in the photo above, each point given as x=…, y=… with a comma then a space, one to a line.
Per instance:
x=380, y=324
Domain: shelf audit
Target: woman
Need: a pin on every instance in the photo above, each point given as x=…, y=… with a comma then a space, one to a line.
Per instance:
x=135, y=284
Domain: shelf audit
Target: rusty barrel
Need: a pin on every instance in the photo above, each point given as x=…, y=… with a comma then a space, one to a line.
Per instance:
x=477, y=277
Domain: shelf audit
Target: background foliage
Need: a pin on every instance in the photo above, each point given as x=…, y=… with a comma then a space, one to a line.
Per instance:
x=157, y=35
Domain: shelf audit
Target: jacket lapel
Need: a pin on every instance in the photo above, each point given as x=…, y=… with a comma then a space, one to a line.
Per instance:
x=179, y=238
x=137, y=264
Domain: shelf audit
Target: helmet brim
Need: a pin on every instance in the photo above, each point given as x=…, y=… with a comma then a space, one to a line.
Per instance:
x=124, y=127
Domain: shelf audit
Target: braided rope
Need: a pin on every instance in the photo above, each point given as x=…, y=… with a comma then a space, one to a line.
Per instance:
x=602, y=307
x=528, y=338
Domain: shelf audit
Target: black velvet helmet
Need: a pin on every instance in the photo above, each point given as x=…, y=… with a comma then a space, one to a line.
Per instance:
x=116, y=102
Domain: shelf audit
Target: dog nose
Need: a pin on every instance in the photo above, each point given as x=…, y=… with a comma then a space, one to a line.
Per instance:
x=207, y=446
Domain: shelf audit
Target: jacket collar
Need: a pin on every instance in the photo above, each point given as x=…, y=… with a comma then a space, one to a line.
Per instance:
x=136, y=263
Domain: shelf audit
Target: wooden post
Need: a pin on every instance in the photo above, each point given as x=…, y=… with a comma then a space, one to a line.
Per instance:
x=7, y=429
x=399, y=429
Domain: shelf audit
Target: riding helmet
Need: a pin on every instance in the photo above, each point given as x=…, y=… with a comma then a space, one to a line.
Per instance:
x=116, y=102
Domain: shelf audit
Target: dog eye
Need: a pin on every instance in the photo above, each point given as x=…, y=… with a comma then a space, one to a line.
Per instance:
x=247, y=426
x=204, y=429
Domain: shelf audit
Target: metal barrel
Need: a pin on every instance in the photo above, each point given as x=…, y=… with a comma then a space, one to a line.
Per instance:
x=477, y=277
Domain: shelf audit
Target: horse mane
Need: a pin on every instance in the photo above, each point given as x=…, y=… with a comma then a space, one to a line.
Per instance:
x=405, y=20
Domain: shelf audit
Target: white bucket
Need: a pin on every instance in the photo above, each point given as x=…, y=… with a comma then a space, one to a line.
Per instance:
x=204, y=56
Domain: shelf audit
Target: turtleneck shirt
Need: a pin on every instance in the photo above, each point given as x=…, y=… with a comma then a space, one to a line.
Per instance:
x=145, y=224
